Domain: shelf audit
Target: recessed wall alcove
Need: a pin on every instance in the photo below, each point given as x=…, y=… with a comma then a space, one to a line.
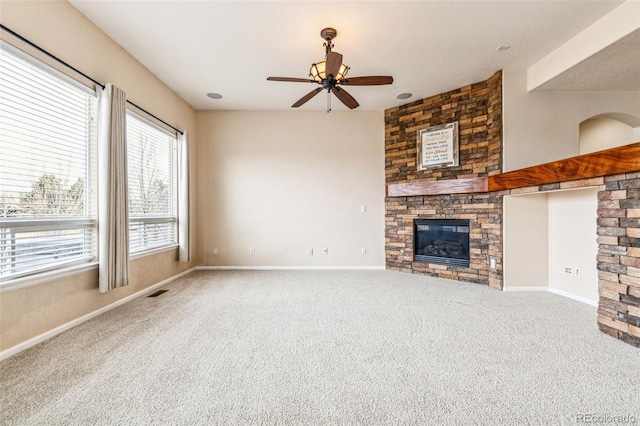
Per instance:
x=550, y=243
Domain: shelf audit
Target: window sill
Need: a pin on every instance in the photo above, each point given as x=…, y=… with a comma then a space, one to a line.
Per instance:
x=152, y=251
x=57, y=274
x=42, y=277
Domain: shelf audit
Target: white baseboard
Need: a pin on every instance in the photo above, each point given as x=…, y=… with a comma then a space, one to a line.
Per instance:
x=525, y=289
x=291, y=268
x=554, y=291
x=574, y=297
x=64, y=327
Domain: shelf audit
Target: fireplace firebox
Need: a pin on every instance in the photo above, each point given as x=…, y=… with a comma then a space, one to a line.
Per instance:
x=441, y=241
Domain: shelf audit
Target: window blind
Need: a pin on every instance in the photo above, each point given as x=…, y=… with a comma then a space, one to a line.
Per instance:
x=151, y=163
x=47, y=167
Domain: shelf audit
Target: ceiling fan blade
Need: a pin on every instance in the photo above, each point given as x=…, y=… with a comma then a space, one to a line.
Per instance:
x=334, y=60
x=345, y=97
x=291, y=79
x=306, y=97
x=372, y=80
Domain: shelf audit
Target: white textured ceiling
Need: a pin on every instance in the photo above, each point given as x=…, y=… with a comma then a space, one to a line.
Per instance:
x=429, y=47
x=615, y=68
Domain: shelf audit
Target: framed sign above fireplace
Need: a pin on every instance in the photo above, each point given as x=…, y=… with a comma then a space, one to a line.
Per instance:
x=438, y=146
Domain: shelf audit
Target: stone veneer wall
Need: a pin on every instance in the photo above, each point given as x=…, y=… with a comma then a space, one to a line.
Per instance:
x=478, y=110
x=619, y=257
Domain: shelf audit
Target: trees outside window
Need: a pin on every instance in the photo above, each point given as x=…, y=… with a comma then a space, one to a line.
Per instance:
x=151, y=156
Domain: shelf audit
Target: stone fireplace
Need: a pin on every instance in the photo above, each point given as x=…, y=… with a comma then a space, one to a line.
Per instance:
x=477, y=108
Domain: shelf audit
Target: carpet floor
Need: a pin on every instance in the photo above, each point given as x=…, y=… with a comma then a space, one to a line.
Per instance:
x=327, y=347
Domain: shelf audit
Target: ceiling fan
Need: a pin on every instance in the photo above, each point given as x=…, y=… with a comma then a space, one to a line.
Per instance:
x=331, y=74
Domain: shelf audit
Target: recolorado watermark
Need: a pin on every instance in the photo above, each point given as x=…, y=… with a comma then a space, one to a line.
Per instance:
x=618, y=419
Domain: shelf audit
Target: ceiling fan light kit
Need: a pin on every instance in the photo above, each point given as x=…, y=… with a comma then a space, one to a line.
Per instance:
x=331, y=74
x=319, y=71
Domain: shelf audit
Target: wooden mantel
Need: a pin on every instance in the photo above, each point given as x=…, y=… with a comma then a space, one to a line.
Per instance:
x=613, y=161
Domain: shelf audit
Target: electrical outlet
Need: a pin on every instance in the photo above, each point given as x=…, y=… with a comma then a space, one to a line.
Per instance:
x=252, y=251
x=309, y=251
x=492, y=262
x=215, y=250
x=363, y=251
x=363, y=209
x=568, y=270
x=325, y=250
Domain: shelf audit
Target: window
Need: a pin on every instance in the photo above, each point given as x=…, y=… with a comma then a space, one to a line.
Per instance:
x=47, y=167
x=151, y=163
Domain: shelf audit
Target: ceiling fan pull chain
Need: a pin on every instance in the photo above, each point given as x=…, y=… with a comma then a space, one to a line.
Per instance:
x=328, y=102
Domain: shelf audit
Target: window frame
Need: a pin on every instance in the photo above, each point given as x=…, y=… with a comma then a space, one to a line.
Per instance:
x=12, y=225
x=154, y=218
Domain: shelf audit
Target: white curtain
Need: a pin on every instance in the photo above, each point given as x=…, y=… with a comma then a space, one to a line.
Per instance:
x=184, y=253
x=113, y=211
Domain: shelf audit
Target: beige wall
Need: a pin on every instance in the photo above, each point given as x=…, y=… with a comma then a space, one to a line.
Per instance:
x=539, y=126
x=526, y=243
x=282, y=182
x=65, y=32
x=572, y=242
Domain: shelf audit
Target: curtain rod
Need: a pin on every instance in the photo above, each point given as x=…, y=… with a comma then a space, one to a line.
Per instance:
x=54, y=57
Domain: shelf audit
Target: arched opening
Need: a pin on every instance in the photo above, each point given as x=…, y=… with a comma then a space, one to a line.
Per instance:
x=605, y=131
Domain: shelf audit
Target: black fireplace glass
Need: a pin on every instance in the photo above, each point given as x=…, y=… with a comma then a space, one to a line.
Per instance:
x=441, y=241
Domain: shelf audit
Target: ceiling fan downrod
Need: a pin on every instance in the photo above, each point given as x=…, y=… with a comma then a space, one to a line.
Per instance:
x=328, y=34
